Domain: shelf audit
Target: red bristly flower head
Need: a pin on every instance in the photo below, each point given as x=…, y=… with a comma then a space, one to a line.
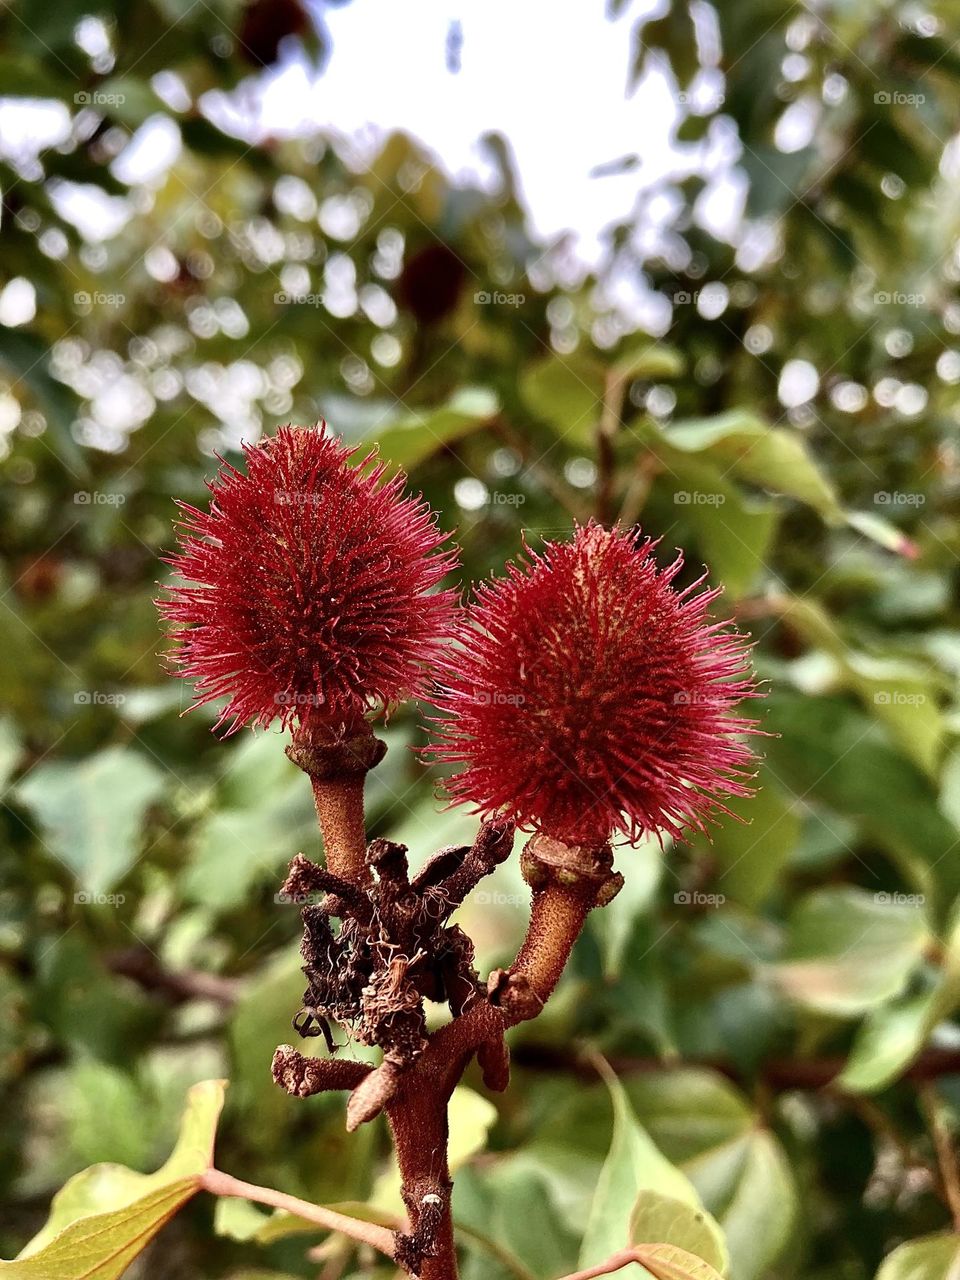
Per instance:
x=590, y=697
x=309, y=586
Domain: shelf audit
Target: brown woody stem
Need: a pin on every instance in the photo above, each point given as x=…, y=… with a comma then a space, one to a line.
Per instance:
x=567, y=884
x=337, y=769
x=303, y=1077
x=339, y=805
x=557, y=917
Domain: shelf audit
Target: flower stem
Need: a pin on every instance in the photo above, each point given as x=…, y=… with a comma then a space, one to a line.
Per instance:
x=557, y=918
x=337, y=768
x=339, y=803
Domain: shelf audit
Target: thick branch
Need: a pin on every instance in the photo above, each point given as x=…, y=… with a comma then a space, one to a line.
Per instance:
x=302, y=1076
x=557, y=917
x=782, y=1075
x=178, y=985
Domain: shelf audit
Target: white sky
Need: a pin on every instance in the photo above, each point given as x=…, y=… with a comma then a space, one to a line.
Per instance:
x=555, y=88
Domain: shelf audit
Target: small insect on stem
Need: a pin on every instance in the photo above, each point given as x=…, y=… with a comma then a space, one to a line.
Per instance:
x=303, y=1025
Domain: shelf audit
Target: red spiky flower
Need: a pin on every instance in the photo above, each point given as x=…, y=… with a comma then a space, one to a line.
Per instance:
x=591, y=697
x=309, y=586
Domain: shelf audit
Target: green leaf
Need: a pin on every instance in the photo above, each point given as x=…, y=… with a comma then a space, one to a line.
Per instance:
x=27, y=357
x=128, y=100
x=566, y=392
x=775, y=459
x=104, y=1217
x=700, y=1121
x=757, y=1218
x=752, y=852
x=888, y=1040
x=950, y=788
x=633, y=1164
x=634, y=900
x=892, y=1035
x=900, y=694
x=881, y=531
x=650, y=360
x=771, y=457
x=90, y=813
x=668, y=1262
x=928, y=1258
x=472, y=1116
x=661, y=1219
x=734, y=530
x=11, y=749
x=411, y=440
x=525, y=1223
x=828, y=751
x=263, y=814
x=848, y=950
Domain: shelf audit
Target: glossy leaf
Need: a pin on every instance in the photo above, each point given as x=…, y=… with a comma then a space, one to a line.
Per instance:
x=104, y=1217
x=848, y=951
x=91, y=814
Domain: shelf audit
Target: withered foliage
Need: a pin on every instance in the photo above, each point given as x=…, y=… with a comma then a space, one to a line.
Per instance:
x=373, y=955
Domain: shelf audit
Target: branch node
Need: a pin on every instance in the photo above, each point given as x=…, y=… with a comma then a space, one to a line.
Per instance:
x=514, y=994
x=428, y=1203
x=493, y=1058
x=302, y=1077
x=372, y=1094
x=546, y=861
x=344, y=758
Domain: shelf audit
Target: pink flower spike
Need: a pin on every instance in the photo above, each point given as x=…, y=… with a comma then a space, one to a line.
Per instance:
x=590, y=697
x=309, y=586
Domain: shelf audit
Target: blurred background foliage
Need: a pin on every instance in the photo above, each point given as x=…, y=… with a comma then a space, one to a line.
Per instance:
x=780, y=1005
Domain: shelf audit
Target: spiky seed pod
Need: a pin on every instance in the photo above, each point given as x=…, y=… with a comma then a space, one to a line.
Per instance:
x=590, y=697
x=309, y=586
